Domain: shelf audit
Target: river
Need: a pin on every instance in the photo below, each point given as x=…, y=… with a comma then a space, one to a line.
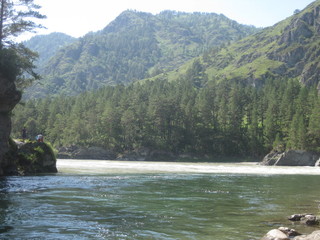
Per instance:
x=90, y=199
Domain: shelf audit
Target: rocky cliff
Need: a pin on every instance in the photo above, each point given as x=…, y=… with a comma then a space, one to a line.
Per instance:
x=289, y=49
x=9, y=97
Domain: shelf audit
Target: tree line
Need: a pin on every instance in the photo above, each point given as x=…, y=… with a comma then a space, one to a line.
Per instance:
x=190, y=115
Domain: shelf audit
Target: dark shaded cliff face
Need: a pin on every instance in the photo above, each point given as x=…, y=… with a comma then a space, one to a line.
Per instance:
x=9, y=97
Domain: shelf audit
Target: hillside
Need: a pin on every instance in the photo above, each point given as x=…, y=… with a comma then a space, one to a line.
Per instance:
x=134, y=46
x=289, y=49
x=48, y=45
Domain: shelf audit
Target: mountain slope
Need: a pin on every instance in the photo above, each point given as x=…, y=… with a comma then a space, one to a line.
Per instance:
x=134, y=46
x=48, y=45
x=289, y=49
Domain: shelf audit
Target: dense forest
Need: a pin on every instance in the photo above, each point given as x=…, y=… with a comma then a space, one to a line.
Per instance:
x=225, y=118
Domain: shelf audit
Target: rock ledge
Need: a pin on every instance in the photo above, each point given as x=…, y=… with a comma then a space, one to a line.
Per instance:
x=291, y=158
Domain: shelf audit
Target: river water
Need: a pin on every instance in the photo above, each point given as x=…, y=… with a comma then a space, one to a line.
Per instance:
x=91, y=199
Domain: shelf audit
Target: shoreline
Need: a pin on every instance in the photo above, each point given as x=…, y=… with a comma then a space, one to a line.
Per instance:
x=116, y=166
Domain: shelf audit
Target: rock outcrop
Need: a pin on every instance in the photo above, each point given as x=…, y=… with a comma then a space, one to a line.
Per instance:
x=299, y=56
x=291, y=158
x=9, y=97
x=35, y=158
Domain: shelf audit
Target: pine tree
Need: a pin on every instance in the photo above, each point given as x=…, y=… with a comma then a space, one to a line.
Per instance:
x=16, y=18
x=297, y=134
x=15, y=59
x=314, y=126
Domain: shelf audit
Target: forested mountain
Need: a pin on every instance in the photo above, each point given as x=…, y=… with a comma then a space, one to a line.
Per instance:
x=288, y=49
x=48, y=45
x=134, y=46
x=246, y=98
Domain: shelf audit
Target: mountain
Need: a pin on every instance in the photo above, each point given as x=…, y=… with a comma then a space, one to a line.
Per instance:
x=289, y=49
x=236, y=99
x=134, y=46
x=48, y=45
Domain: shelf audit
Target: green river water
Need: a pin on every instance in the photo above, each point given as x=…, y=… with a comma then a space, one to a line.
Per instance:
x=150, y=200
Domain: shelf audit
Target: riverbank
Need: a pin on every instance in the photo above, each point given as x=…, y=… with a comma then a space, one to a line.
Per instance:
x=144, y=154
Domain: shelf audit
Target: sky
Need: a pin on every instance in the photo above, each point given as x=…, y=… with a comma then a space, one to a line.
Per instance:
x=78, y=17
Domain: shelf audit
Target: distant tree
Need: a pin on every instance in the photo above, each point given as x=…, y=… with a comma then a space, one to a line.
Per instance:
x=296, y=11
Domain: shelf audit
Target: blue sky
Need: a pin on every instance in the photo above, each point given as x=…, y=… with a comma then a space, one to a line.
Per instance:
x=78, y=17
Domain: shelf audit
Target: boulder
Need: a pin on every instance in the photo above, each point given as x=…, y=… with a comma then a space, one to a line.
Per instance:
x=296, y=217
x=306, y=218
x=310, y=220
x=275, y=234
x=291, y=158
x=313, y=236
x=271, y=158
x=289, y=231
x=35, y=158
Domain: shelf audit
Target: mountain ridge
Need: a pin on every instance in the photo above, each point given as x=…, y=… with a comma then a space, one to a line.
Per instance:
x=138, y=45
x=289, y=48
x=134, y=46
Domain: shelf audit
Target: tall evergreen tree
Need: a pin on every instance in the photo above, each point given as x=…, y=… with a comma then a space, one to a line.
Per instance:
x=314, y=126
x=16, y=17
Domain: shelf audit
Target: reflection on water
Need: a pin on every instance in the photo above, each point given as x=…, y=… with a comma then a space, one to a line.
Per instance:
x=144, y=200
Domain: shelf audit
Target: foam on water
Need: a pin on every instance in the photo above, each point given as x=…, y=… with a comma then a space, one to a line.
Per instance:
x=111, y=167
